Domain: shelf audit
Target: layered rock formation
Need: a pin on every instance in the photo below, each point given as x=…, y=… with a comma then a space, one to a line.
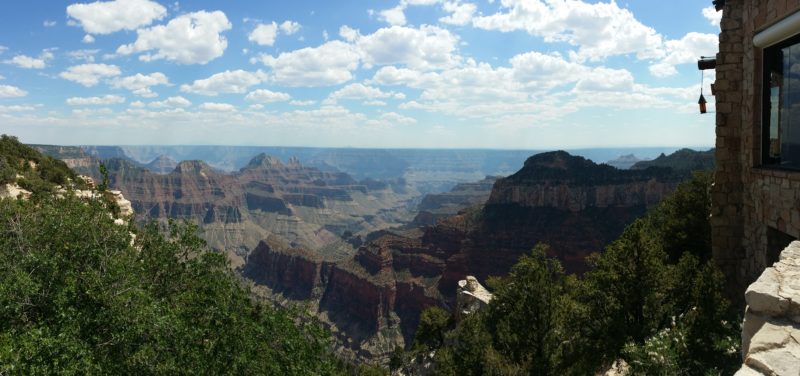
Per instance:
x=436, y=206
x=771, y=328
x=369, y=299
x=303, y=206
x=374, y=295
x=568, y=202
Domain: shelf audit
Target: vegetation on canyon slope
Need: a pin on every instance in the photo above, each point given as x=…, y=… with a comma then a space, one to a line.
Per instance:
x=77, y=296
x=653, y=298
x=29, y=168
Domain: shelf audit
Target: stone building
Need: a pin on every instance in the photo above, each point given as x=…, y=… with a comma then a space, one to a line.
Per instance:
x=756, y=192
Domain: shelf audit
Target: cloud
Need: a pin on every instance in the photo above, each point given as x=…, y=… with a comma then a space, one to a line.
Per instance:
x=87, y=39
x=599, y=30
x=289, y=27
x=16, y=108
x=192, y=38
x=267, y=96
x=361, y=91
x=83, y=55
x=428, y=47
x=211, y=106
x=237, y=81
x=171, y=102
x=395, y=118
x=460, y=13
x=140, y=84
x=394, y=16
x=605, y=79
x=331, y=63
x=685, y=51
x=28, y=62
x=95, y=101
x=8, y=91
x=89, y=74
x=106, y=17
x=302, y=103
x=264, y=34
x=347, y=33
x=545, y=71
x=49, y=23
x=711, y=14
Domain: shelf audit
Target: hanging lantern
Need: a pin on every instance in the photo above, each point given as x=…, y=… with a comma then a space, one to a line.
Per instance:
x=702, y=103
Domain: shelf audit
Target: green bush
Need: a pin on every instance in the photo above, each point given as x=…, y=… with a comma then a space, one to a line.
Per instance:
x=653, y=298
x=77, y=298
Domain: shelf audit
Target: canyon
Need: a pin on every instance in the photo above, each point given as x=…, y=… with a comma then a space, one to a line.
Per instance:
x=367, y=255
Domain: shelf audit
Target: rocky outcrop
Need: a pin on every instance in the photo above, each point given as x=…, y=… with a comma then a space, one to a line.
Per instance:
x=471, y=297
x=12, y=190
x=771, y=328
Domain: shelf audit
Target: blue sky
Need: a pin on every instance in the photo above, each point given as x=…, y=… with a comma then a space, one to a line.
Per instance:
x=405, y=73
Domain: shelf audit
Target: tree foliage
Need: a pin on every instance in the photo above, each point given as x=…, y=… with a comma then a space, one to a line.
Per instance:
x=37, y=172
x=77, y=297
x=653, y=298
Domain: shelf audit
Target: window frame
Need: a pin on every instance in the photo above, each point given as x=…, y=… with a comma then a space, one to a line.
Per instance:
x=768, y=58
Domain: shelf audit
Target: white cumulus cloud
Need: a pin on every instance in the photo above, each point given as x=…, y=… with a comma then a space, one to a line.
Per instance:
x=95, y=101
x=8, y=91
x=106, y=17
x=27, y=62
x=460, y=13
x=331, y=63
x=212, y=106
x=428, y=47
x=140, y=84
x=89, y=74
x=394, y=16
x=599, y=30
x=361, y=91
x=171, y=102
x=237, y=81
x=264, y=34
x=685, y=51
x=266, y=96
x=192, y=38
x=711, y=14
x=290, y=27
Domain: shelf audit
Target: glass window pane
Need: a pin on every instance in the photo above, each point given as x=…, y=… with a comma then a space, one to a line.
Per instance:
x=790, y=108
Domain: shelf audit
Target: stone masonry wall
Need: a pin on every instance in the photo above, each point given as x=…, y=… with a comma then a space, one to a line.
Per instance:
x=746, y=198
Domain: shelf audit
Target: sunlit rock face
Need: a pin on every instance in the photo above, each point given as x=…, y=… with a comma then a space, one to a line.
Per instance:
x=471, y=297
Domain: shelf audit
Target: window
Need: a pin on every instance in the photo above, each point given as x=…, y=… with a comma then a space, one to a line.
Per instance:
x=781, y=110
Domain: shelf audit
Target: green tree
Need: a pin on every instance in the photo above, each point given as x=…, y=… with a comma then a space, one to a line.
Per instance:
x=77, y=297
x=433, y=323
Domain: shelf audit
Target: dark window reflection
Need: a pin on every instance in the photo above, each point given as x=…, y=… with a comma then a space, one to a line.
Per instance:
x=782, y=107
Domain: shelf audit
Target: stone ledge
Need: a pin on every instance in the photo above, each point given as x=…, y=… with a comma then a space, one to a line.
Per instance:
x=771, y=328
